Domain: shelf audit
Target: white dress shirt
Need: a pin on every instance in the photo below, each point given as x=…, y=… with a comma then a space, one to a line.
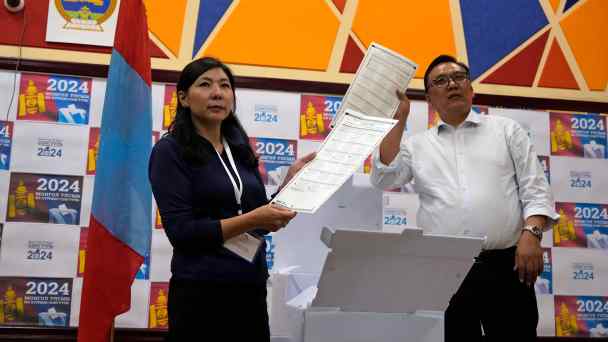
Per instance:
x=482, y=178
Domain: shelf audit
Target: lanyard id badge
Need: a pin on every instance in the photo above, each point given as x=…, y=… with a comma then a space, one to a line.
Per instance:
x=238, y=189
x=244, y=245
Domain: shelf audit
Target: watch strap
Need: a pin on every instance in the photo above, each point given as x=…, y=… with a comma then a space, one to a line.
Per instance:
x=534, y=230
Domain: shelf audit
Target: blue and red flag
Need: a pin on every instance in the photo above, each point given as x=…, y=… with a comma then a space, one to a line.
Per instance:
x=121, y=220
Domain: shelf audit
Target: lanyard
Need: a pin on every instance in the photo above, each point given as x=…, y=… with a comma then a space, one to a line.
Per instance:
x=238, y=190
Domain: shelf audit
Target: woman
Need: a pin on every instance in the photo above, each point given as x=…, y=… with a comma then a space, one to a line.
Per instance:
x=207, y=186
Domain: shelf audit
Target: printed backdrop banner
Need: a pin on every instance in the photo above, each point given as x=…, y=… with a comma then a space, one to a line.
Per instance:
x=546, y=311
x=534, y=122
x=86, y=200
x=316, y=114
x=137, y=316
x=4, y=183
x=83, y=234
x=579, y=273
x=82, y=250
x=585, y=316
x=270, y=250
x=49, y=147
x=6, y=134
x=578, y=135
x=275, y=156
x=545, y=162
x=160, y=265
x=544, y=282
x=76, y=294
x=268, y=113
x=45, y=250
x=159, y=318
x=54, y=98
x=44, y=198
x=579, y=180
x=581, y=225
x=399, y=210
x=36, y=301
x=92, y=150
x=158, y=106
x=169, y=105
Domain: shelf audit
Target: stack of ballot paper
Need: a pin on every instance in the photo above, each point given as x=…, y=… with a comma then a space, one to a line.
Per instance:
x=364, y=119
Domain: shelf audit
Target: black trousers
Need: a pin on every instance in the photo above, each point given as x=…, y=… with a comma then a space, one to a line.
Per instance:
x=492, y=297
x=201, y=311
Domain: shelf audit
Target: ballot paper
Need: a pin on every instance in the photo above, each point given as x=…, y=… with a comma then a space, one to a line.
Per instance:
x=372, y=92
x=340, y=155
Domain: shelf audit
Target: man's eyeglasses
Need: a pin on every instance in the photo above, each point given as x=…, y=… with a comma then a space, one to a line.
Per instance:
x=443, y=80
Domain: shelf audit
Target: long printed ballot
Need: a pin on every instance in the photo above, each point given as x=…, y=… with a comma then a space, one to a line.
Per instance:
x=363, y=120
x=340, y=155
x=372, y=92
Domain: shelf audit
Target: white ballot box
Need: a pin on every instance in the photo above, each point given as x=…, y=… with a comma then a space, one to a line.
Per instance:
x=382, y=286
x=356, y=207
x=287, y=283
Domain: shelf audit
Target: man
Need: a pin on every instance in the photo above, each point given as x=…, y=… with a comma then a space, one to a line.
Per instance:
x=476, y=175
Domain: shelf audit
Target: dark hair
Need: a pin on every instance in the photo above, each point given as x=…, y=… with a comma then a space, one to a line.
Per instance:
x=440, y=60
x=182, y=128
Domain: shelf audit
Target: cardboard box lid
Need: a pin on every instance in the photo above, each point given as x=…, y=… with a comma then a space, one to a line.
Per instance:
x=393, y=272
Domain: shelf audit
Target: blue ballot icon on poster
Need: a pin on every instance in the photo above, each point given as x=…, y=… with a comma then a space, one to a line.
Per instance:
x=598, y=331
x=594, y=150
x=63, y=215
x=597, y=240
x=52, y=318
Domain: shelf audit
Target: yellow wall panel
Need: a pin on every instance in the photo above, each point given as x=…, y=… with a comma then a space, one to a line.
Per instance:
x=166, y=21
x=289, y=34
x=554, y=5
x=586, y=30
x=420, y=30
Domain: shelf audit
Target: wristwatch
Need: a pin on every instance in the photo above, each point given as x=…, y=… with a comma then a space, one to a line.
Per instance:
x=535, y=230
